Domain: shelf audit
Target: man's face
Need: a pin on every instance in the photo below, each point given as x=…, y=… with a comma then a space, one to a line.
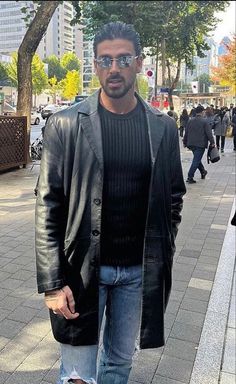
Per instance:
x=116, y=81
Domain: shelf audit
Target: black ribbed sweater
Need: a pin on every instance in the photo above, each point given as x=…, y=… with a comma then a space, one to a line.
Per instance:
x=127, y=168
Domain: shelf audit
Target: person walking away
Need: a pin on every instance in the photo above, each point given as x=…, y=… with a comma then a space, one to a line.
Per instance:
x=232, y=111
x=105, y=224
x=233, y=123
x=197, y=135
x=221, y=123
x=174, y=114
x=184, y=118
x=209, y=115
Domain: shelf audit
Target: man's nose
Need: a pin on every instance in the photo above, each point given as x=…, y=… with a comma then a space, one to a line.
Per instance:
x=114, y=66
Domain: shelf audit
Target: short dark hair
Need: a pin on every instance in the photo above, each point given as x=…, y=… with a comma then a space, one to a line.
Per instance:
x=199, y=109
x=118, y=30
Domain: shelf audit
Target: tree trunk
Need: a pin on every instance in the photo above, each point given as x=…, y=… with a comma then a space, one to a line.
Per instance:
x=26, y=51
x=174, y=83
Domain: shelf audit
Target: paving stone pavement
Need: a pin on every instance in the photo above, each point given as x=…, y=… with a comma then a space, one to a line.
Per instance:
x=28, y=352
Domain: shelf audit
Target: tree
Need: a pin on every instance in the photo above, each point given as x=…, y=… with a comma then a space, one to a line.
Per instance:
x=204, y=82
x=94, y=84
x=174, y=30
x=59, y=67
x=37, y=28
x=225, y=73
x=71, y=85
x=54, y=88
x=27, y=49
x=39, y=76
x=54, y=68
x=143, y=86
x=3, y=72
x=70, y=62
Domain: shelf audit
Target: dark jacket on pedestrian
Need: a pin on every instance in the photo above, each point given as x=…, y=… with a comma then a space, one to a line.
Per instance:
x=197, y=133
x=68, y=219
x=233, y=123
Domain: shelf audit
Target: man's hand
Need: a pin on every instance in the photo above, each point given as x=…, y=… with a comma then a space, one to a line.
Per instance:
x=61, y=302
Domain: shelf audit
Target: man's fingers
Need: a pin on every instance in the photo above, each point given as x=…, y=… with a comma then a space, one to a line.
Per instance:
x=64, y=309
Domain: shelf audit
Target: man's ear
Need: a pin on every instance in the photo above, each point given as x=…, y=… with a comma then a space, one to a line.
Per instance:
x=95, y=67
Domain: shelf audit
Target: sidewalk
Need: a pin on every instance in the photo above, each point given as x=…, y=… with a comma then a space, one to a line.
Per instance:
x=200, y=319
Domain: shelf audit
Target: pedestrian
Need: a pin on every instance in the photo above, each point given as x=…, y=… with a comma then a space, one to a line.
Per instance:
x=170, y=113
x=233, y=123
x=108, y=208
x=197, y=134
x=209, y=115
x=184, y=118
x=221, y=123
x=192, y=113
x=232, y=111
x=174, y=113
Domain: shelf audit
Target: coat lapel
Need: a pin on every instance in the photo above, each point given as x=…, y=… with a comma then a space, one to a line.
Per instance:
x=156, y=130
x=91, y=127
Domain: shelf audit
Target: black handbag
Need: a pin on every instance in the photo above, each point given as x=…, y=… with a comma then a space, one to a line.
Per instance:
x=212, y=155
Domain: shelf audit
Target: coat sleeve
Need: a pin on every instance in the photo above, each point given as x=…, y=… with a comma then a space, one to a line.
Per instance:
x=178, y=188
x=49, y=228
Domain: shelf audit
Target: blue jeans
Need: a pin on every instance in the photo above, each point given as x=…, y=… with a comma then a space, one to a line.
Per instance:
x=196, y=162
x=120, y=292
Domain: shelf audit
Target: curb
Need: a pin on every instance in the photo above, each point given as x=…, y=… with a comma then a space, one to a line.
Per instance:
x=206, y=369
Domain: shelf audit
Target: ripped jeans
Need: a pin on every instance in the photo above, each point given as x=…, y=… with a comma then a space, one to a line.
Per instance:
x=120, y=292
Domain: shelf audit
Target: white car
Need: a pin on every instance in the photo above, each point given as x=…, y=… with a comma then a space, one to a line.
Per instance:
x=35, y=118
x=49, y=110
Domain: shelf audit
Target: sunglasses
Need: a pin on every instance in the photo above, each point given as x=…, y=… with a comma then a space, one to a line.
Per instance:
x=122, y=61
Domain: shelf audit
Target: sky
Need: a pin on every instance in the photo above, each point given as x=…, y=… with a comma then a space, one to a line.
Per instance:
x=227, y=26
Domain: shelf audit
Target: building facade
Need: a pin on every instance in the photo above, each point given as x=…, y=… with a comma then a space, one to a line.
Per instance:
x=12, y=25
x=59, y=37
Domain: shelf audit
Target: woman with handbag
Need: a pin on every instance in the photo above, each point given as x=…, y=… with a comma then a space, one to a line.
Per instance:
x=220, y=123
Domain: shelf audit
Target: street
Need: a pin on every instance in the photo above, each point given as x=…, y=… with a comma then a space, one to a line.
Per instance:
x=36, y=131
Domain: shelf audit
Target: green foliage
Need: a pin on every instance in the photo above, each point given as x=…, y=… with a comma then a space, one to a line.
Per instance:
x=53, y=88
x=71, y=85
x=182, y=24
x=12, y=69
x=59, y=67
x=93, y=85
x=70, y=62
x=3, y=72
x=143, y=86
x=29, y=12
x=39, y=77
x=55, y=68
x=204, y=82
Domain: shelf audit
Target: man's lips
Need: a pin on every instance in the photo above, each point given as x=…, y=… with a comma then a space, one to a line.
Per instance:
x=114, y=83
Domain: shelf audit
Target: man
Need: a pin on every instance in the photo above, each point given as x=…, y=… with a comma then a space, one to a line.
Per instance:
x=174, y=113
x=108, y=207
x=197, y=134
x=231, y=111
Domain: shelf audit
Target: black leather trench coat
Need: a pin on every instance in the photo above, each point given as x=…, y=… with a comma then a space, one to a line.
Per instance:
x=68, y=219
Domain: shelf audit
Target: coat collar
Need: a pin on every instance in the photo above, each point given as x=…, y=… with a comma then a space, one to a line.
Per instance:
x=90, y=105
x=90, y=122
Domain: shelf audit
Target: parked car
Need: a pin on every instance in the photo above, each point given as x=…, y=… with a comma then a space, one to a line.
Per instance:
x=35, y=118
x=49, y=110
x=8, y=109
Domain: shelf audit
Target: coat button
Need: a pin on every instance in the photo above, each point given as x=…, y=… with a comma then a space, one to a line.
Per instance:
x=97, y=201
x=95, y=232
